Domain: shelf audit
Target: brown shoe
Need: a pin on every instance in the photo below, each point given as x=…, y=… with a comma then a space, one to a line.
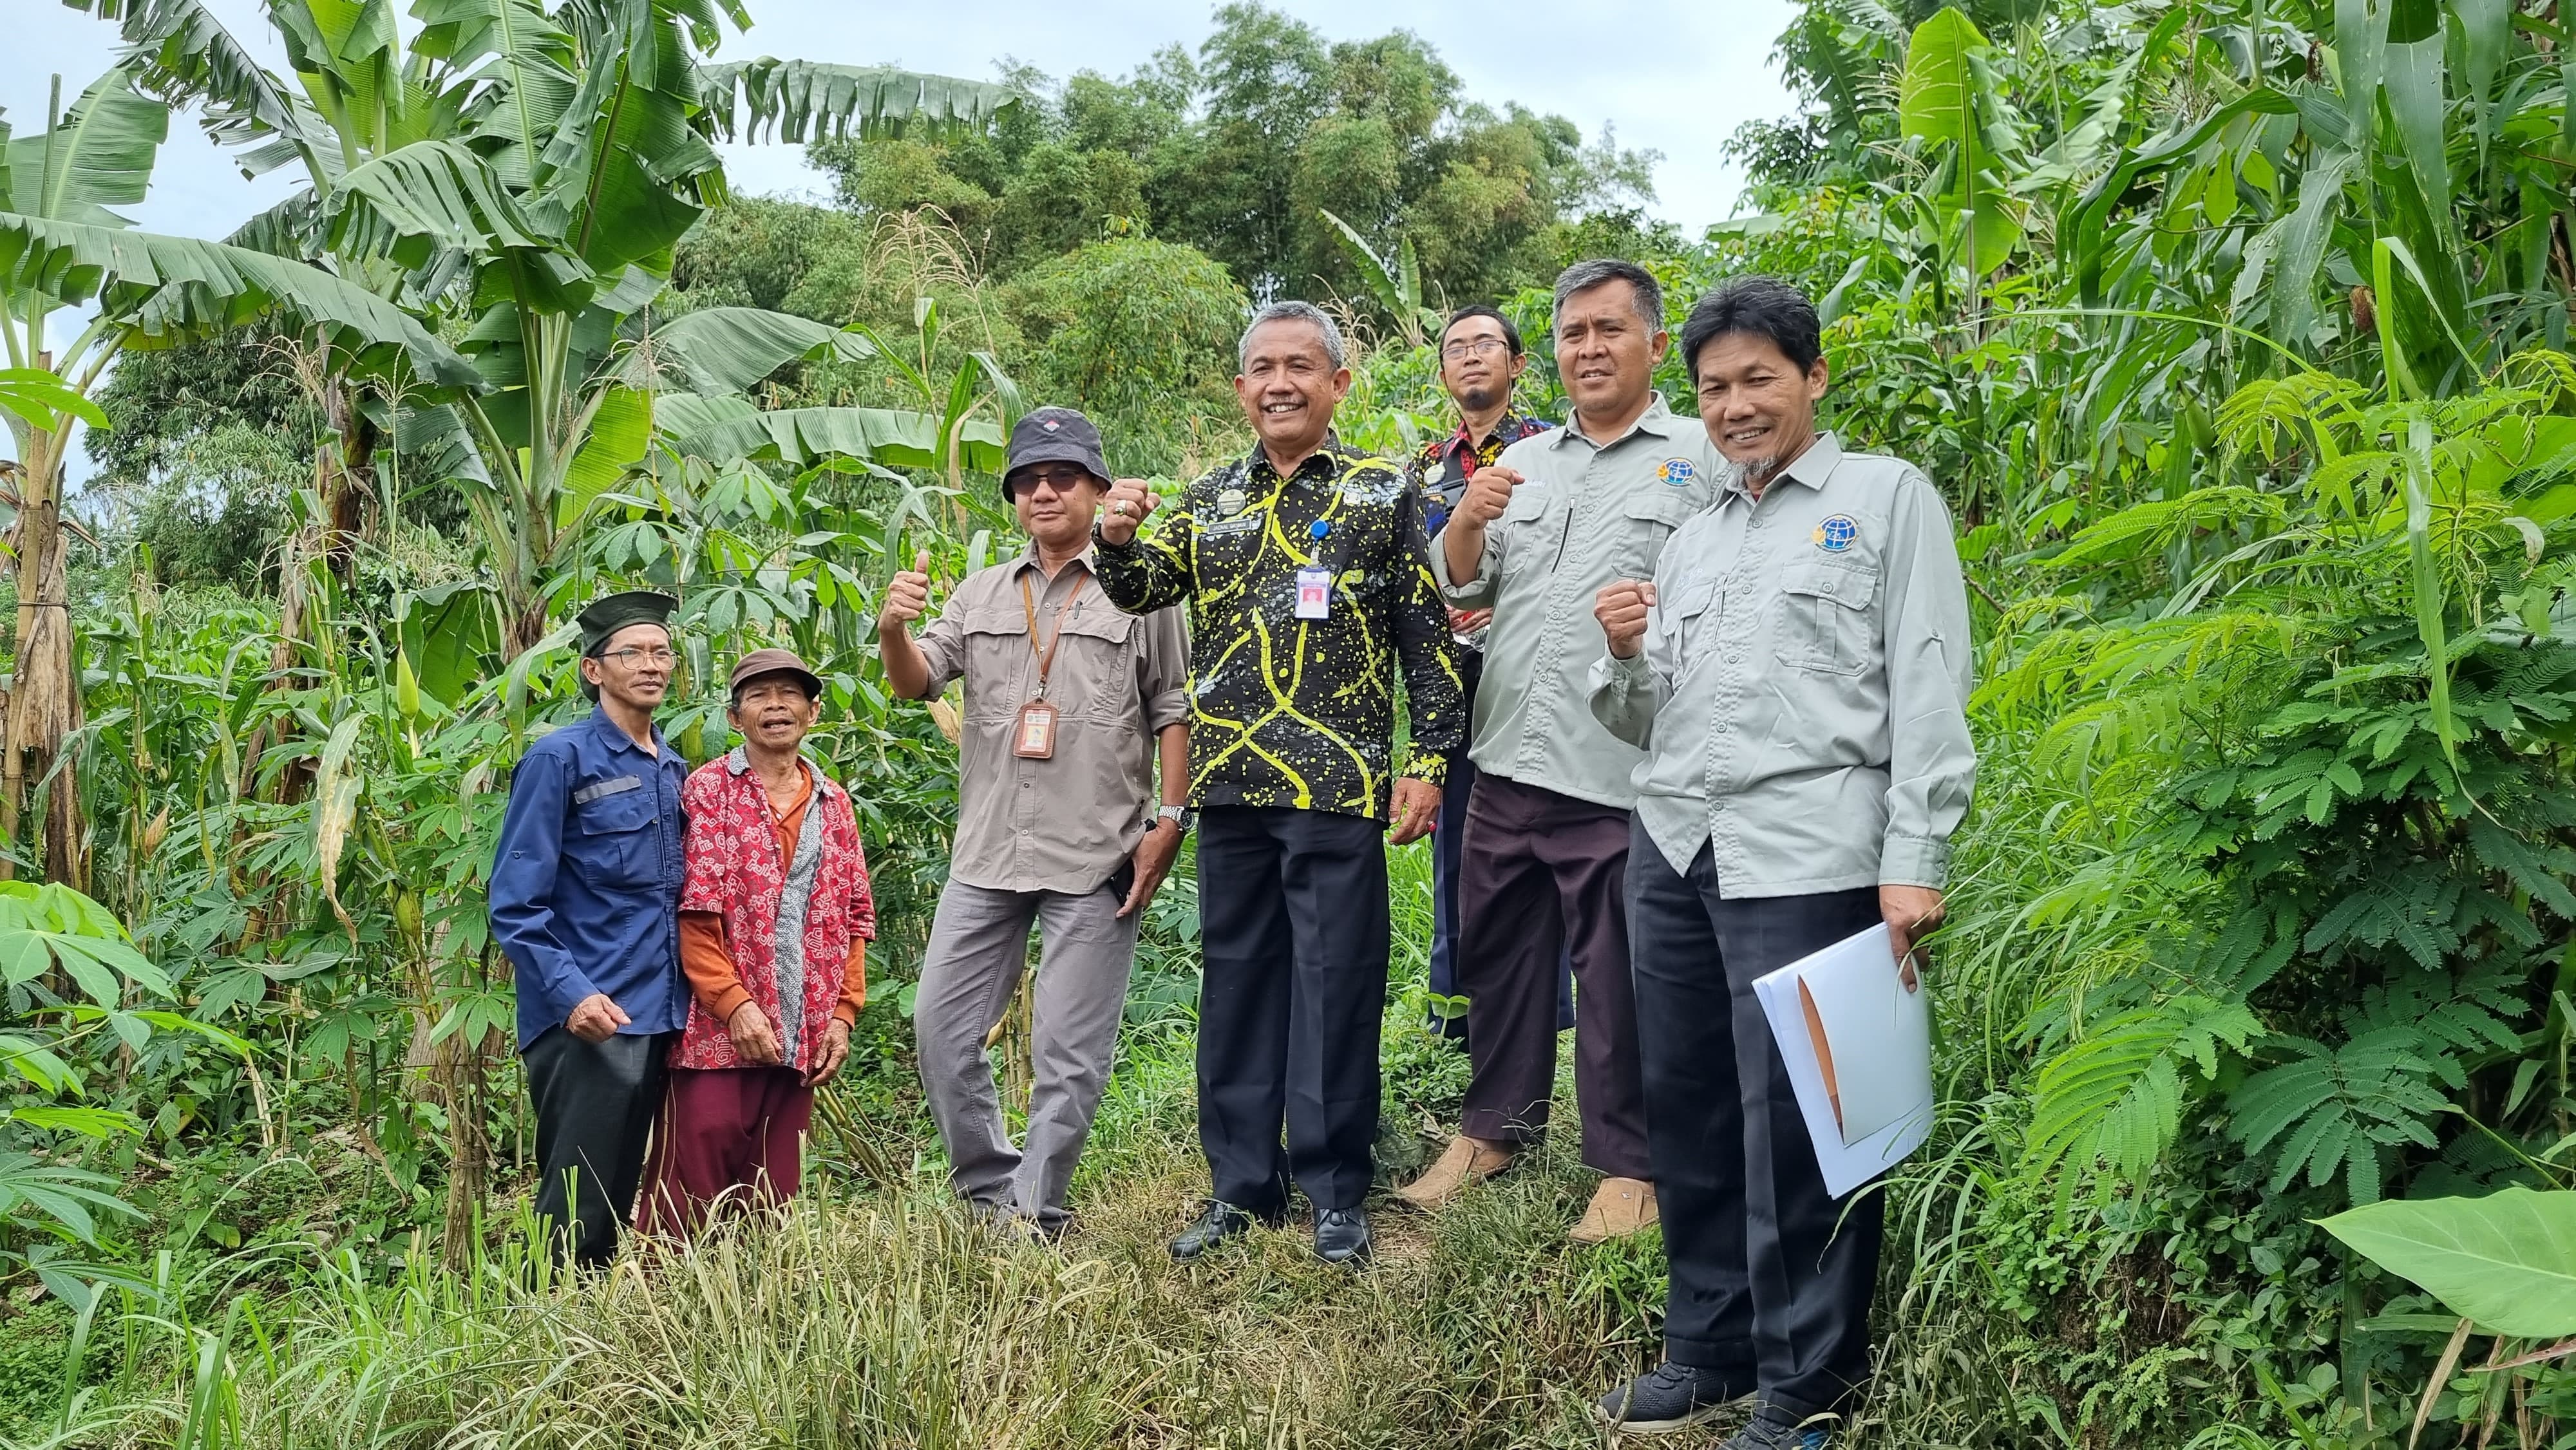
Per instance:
x=1620, y=1207
x=1465, y=1161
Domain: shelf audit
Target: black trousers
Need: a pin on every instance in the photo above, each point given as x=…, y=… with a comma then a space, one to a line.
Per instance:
x=596, y=1102
x=1543, y=881
x=1771, y=1278
x=1293, y=927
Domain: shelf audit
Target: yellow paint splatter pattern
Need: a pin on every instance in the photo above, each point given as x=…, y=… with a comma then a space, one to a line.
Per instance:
x=1301, y=712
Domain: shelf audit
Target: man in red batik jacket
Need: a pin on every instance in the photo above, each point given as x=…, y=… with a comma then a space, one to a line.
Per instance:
x=775, y=919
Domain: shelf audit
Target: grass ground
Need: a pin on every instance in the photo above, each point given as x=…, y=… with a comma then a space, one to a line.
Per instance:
x=875, y=1315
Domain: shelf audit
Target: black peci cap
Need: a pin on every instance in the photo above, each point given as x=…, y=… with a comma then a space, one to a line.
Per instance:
x=611, y=613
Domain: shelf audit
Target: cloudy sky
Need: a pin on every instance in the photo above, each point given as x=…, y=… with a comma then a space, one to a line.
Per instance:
x=1677, y=75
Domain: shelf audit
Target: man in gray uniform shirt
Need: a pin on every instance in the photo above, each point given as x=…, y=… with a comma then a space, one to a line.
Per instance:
x=1069, y=702
x=1798, y=675
x=1536, y=535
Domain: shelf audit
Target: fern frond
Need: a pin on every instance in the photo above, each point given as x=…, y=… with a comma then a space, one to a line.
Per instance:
x=2114, y=1099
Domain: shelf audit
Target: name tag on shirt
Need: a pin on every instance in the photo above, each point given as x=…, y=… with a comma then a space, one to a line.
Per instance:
x=1314, y=593
x=1035, y=739
x=619, y=786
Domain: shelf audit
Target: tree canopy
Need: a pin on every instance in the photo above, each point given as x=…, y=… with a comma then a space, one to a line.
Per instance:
x=1237, y=148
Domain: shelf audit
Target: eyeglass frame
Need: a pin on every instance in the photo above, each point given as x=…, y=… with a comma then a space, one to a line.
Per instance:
x=1474, y=347
x=1030, y=475
x=665, y=657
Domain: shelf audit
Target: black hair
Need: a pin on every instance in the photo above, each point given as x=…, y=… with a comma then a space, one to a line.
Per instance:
x=1511, y=334
x=1644, y=290
x=1764, y=307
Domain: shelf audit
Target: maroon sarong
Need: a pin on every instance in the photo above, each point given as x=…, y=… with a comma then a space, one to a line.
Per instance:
x=731, y=1128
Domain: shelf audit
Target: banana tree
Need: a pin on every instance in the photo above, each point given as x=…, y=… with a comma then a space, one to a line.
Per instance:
x=1397, y=284
x=1951, y=105
x=62, y=246
x=521, y=171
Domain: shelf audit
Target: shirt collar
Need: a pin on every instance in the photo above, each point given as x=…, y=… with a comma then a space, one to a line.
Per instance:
x=738, y=764
x=1512, y=427
x=1811, y=468
x=1330, y=453
x=1658, y=419
x=1088, y=559
x=618, y=739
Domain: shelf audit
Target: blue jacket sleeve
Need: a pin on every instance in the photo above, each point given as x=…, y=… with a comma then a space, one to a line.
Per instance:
x=523, y=884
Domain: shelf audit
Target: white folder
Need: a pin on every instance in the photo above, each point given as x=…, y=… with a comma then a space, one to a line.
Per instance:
x=1858, y=1045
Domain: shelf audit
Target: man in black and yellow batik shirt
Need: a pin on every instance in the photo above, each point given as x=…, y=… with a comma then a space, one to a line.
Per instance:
x=1310, y=592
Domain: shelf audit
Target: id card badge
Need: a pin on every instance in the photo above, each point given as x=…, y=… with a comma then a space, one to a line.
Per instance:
x=1314, y=593
x=1034, y=739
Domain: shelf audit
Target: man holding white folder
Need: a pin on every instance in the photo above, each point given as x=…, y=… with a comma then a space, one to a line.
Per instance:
x=1798, y=674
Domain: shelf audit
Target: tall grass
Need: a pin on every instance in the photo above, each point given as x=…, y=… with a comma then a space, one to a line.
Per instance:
x=874, y=1314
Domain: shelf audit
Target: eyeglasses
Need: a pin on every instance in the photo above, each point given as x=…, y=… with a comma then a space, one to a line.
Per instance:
x=1463, y=349
x=636, y=659
x=1061, y=480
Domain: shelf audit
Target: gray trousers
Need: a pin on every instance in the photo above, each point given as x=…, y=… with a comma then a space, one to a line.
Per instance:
x=979, y=945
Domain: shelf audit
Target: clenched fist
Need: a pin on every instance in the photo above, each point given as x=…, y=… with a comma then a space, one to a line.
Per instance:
x=1489, y=492
x=1128, y=503
x=908, y=595
x=1621, y=607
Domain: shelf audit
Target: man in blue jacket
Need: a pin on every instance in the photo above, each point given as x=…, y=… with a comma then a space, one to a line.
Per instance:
x=585, y=899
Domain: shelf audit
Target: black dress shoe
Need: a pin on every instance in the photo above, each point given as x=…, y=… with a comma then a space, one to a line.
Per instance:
x=1341, y=1235
x=1217, y=1222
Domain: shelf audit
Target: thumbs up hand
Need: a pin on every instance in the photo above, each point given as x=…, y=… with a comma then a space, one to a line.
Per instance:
x=907, y=595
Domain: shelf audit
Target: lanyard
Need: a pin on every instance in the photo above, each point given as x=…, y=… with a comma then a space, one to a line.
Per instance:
x=1046, y=653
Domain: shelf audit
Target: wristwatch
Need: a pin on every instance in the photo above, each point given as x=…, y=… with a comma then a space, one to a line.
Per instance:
x=1181, y=816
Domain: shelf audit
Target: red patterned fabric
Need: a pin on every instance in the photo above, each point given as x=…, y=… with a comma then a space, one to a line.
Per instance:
x=735, y=870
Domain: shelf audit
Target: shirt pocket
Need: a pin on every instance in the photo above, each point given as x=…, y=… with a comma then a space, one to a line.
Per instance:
x=1647, y=521
x=1225, y=549
x=613, y=844
x=1095, y=663
x=1829, y=617
x=1533, y=532
x=997, y=651
x=1692, y=616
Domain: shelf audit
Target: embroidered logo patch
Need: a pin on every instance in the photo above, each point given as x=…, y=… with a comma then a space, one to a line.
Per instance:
x=1049, y=424
x=1675, y=471
x=1836, y=534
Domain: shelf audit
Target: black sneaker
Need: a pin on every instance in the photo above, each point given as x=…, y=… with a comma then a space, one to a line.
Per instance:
x=1769, y=1434
x=1672, y=1397
x=1218, y=1221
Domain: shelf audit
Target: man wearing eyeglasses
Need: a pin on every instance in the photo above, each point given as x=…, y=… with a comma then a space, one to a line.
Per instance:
x=1533, y=538
x=1481, y=359
x=585, y=897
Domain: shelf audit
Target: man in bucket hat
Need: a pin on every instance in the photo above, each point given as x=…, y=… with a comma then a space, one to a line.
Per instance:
x=774, y=926
x=584, y=889
x=1069, y=705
